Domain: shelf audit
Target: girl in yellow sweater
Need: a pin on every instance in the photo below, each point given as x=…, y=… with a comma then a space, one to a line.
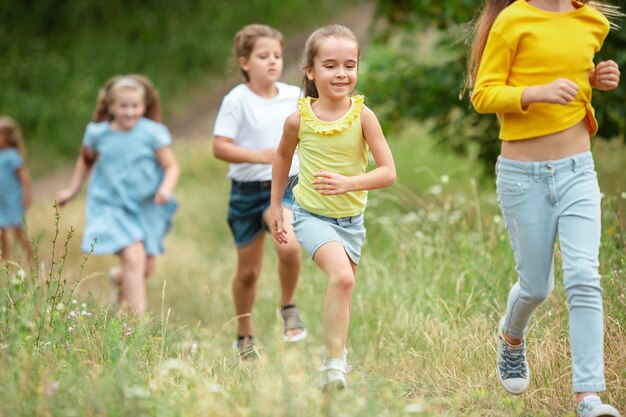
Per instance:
x=532, y=64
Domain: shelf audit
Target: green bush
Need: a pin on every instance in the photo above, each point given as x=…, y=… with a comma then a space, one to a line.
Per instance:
x=56, y=55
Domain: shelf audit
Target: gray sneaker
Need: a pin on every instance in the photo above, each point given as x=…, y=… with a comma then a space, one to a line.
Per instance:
x=246, y=348
x=591, y=406
x=513, y=371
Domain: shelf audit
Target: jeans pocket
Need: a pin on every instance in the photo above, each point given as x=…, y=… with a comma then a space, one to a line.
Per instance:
x=513, y=185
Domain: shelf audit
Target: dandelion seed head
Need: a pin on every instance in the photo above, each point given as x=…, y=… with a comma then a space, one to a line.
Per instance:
x=435, y=189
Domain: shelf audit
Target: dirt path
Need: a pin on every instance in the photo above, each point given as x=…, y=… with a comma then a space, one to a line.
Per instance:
x=195, y=121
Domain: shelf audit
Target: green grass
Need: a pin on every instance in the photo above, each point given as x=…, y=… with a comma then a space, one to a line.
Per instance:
x=433, y=281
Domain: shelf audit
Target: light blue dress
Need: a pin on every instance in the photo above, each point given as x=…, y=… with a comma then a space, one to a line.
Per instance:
x=11, y=191
x=124, y=181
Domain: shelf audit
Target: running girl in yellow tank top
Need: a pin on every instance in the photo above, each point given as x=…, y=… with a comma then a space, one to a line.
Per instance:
x=333, y=131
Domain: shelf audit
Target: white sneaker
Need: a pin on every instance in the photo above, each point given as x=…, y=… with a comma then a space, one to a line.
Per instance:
x=591, y=406
x=512, y=367
x=333, y=375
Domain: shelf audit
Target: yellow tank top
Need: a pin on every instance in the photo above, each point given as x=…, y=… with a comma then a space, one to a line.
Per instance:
x=337, y=146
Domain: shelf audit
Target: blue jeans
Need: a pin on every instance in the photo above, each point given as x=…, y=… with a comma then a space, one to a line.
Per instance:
x=538, y=201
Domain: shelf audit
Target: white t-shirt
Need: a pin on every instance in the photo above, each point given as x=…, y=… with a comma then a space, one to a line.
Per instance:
x=255, y=122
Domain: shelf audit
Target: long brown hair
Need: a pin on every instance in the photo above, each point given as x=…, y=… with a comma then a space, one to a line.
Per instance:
x=13, y=133
x=106, y=96
x=479, y=33
x=481, y=27
x=311, y=48
x=246, y=38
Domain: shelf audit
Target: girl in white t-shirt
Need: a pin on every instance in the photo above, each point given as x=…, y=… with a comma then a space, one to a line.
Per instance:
x=247, y=131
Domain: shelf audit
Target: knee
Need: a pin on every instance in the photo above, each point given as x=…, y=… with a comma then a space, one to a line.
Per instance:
x=247, y=277
x=582, y=282
x=290, y=253
x=342, y=281
x=536, y=296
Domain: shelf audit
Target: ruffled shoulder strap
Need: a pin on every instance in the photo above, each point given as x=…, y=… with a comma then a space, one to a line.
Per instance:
x=329, y=128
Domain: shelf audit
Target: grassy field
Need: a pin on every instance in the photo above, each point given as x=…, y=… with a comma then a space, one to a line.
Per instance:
x=432, y=284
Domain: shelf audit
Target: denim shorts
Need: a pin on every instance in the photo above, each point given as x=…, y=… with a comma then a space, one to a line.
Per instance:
x=313, y=231
x=248, y=202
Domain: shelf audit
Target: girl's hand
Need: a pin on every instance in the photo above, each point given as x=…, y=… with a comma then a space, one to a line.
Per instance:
x=277, y=226
x=329, y=183
x=162, y=196
x=64, y=196
x=605, y=76
x=560, y=91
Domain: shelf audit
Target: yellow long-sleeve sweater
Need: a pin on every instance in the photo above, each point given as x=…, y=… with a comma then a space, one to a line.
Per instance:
x=530, y=46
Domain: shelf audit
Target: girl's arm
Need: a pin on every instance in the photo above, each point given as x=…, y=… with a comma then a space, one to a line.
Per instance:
x=24, y=178
x=280, y=174
x=82, y=168
x=171, y=173
x=384, y=175
x=605, y=76
x=491, y=93
x=226, y=150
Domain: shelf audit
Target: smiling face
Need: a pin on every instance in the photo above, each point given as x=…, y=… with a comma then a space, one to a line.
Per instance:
x=334, y=69
x=128, y=106
x=264, y=66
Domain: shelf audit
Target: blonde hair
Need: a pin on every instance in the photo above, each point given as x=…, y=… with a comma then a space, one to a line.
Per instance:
x=481, y=27
x=106, y=96
x=12, y=131
x=311, y=48
x=246, y=38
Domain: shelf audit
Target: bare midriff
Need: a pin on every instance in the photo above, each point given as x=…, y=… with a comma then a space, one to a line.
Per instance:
x=557, y=145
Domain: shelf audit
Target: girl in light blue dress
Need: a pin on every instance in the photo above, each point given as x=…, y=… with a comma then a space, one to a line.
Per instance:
x=14, y=188
x=130, y=201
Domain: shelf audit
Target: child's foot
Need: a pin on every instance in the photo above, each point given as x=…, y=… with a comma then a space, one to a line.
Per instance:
x=591, y=406
x=246, y=348
x=333, y=375
x=512, y=369
x=293, y=327
x=332, y=379
x=115, y=283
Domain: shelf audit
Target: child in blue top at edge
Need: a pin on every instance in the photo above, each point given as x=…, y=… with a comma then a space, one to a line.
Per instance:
x=130, y=201
x=15, y=194
x=532, y=64
x=332, y=130
x=247, y=131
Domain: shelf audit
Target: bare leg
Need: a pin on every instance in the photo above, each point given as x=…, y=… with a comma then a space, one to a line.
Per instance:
x=4, y=244
x=133, y=263
x=150, y=264
x=340, y=272
x=249, y=262
x=22, y=239
x=289, y=264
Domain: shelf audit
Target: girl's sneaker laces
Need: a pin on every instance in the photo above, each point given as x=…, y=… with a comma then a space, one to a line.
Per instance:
x=513, y=371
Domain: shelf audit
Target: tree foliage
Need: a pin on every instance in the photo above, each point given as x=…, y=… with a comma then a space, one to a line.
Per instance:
x=56, y=54
x=416, y=67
